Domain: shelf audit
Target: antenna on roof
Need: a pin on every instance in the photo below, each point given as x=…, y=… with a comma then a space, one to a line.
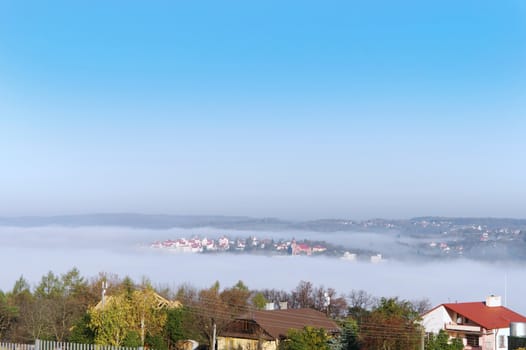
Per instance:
x=506, y=289
x=327, y=302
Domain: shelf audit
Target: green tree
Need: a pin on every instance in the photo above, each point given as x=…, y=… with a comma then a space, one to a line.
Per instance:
x=191, y=317
x=70, y=306
x=308, y=338
x=128, y=287
x=156, y=342
x=259, y=301
x=240, y=286
x=132, y=339
x=393, y=307
x=348, y=339
x=73, y=284
x=391, y=325
x=81, y=332
x=441, y=341
x=179, y=326
x=8, y=314
x=173, y=328
x=21, y=286
x=49, y=286
x=21, y=298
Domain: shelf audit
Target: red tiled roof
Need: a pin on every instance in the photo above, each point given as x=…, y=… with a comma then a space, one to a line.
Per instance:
x=487, y=317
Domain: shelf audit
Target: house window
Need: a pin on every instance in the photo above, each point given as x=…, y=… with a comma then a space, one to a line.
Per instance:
x=472, y=339
x=502, y=341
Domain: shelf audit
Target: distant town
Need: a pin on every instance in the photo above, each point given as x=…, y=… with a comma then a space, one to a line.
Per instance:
x=254, y=245
x=426, y=238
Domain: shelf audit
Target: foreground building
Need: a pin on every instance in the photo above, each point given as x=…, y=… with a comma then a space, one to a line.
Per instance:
x=265, y=329
x=480, y=325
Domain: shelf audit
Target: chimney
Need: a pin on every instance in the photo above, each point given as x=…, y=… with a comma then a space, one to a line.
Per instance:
x=269, y=306
x=493, y=301
x=283, y=305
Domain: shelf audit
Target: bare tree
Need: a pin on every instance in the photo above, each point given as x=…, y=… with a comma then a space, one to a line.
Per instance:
x=361, y=299
x=338, y=305
x=303, y=296
x=360, y=303
x=215, y=309
x=276, y=296
x=422, y=305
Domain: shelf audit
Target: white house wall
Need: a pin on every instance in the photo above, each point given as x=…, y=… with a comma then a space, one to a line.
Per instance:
x=435, y=320
x=502, y=332
x=230, y=343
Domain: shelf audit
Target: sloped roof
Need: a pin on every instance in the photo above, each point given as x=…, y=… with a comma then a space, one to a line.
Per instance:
x=487, y=317
x=165, y=303
x=160, y=302
x=278, y=322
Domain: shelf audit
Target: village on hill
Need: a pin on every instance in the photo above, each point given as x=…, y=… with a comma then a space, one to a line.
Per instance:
x=254, y=245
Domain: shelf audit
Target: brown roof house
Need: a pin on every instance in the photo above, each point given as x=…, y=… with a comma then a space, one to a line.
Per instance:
x=265, y=329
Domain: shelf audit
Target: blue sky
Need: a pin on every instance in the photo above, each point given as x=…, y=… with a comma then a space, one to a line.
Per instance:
x=299, y=109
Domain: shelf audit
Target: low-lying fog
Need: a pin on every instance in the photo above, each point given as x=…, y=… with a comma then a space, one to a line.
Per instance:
x=32, y=252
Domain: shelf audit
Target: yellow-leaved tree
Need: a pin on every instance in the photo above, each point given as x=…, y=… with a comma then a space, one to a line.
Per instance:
x=149, y=315
x=112, y=321
x=127, y=318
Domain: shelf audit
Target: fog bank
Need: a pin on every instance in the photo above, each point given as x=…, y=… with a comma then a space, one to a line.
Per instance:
x=32, y=252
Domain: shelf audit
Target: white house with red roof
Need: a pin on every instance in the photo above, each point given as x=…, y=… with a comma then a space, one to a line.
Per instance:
x=480, y=325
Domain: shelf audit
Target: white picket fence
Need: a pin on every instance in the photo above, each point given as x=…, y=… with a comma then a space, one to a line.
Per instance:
x=53, y=345
x=13, y=346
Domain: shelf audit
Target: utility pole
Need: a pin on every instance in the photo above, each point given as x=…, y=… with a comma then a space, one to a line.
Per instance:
x=142, y=330
x=214, y=336
x=104, y=286
x=422, y=337
x=142, y=319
